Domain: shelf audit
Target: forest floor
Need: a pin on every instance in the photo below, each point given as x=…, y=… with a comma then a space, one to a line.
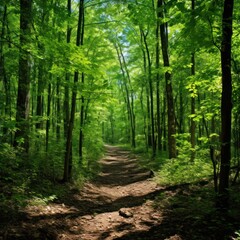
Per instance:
x=122, y=202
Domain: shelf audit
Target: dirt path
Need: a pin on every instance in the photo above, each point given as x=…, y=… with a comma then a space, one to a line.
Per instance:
x=123, y=202
x=116, y=205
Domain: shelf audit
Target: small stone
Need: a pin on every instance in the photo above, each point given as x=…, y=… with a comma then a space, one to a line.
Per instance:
x=125, y=213
x=88, y=217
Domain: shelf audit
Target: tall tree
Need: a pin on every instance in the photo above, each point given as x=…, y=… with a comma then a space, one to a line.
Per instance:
x=67, y=161
x=22, y=113
x=3, y=73
x=83, y=108
x=129, y=92
x=226, y=102
x=193, y=124
x=147, y=122
x=67, y=77
x=41, y=63
x=150, y=84
x=159, y=131
x=168, y=79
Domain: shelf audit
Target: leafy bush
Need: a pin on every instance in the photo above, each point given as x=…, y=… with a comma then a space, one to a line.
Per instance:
x=183, y=171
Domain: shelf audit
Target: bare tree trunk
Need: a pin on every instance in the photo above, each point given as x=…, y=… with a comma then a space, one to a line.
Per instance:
x=147, y=126
x=3, y=74
x=22, y=114
x=48, y=113
x=129, y=94
x=82, y=111
x=131, y=102
x=193, y=124
x=150, y=82
x=67, y=77
x=164, y=127
x=159, y=140
x=226, y=104
x=169, y=91
x=40, y=90
x=67, y=160
x=58, y=109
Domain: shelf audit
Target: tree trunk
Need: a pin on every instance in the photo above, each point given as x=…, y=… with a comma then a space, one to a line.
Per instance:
x=3, y=74
x=129, y=94
x=58, y=127
x=226, y=104
x=82, y=111
x=131, y=101
x=159, y=140
x=147, y=125
x=23, y=96
x=67, y=160
x=67, y=77
x=39, y=111
x=48, y=114
x=164, y=125
x=169, y=91
x=193, y=124
x=181, y=128
x=150, y=82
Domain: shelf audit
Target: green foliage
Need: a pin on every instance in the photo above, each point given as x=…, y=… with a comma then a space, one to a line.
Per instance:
x=8, y=159
x=20, y=182
x=181, y=169
x=41, y=200
x=46, y=165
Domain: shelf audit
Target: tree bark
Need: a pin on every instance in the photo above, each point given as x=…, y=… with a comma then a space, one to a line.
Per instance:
x=82, y=111
x=58, y=110
x=67, y=160
x=39, y=110
x=129, y=95
x=3, y=74
x=147, y=125
x=131, y=101
x=67, y=77
x=169, y=91
x=81, y=136
x=48, y=113
x=226, y=104
x=23, y=96
x=150, y=82
x=193, y=124
x=158, y=125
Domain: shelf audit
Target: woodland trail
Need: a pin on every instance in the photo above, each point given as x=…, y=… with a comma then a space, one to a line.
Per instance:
x=116, y=205
x=122, y=202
